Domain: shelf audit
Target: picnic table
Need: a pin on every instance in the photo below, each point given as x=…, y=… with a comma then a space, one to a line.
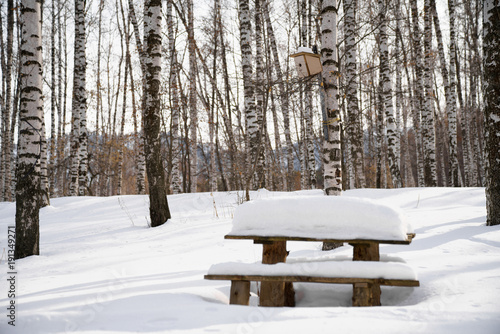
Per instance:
x=361, y=223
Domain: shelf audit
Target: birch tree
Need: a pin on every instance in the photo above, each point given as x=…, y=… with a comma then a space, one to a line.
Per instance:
x=491, y=61
x=354, y=129
x=7, y=135
x=385, y=78
x=332, y=155
x=158, y=205
x=79, y=107
x=28, y=186
x=418, y=95
x=428, y=131
x=193, y=112
x=174, y=97
x=251, y=122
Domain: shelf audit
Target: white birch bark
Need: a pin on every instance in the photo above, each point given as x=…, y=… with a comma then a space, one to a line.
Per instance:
x=28, y=176
x=193, y=111
x=491, y=62
x=418, y=92
x=79, y=106
x=385, y=78
x=5, y=187
x=354, y=129
x=53, y=96
x=251, y=122
x=174, y=97
x=332, y=155
x=260, y=179
x=452, y=108
x=428, y=131
x=158, y=205
x=140, y=158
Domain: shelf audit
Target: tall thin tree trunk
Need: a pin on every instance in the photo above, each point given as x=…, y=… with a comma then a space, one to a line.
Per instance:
x=332, y=155
x=8, y=135
x=193, y=111
x=251, y=122
x=158, y=205
x=428, y=129
x=174, y=94
x=419, y=94
x=260, y=180
x=385, y=79
x=354, y=129
x=28, y=176
x=79, y=106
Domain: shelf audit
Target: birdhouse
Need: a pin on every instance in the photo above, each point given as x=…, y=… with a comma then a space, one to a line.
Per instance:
x=307, y=62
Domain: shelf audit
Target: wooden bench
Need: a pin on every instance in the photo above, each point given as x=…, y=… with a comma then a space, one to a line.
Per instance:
x=366, y=277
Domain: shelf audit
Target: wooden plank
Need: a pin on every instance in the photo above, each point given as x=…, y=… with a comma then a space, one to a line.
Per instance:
x=312, y=279
x=267, y=239
x=240, y=292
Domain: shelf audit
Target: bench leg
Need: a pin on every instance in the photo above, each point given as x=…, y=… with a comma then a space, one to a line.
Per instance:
x=272, y=294
x=240, y=292
x=275, y=293
x=362, y=294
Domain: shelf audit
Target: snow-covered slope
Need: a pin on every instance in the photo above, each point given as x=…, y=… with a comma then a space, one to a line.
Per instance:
x=102, y=270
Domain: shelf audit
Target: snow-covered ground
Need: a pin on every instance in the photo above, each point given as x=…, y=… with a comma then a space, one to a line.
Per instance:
x=102, y=270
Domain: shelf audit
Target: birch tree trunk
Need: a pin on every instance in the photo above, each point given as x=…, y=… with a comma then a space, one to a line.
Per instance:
x=428, y=131
x=53, y=98
x=491, y=61
x=28, y=176
x=79, y=106
x=251, y=123
x=174, y=96
x=260, y=179
x=354, y=129
x=193, y=111
x=332, y=155
x=158, y=205
x=385, y=78
x=6, y=158
x=419, y=91
x=141, y=159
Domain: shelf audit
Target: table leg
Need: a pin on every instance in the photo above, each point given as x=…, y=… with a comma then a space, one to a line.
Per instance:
x=275, y=293
x=368, y=252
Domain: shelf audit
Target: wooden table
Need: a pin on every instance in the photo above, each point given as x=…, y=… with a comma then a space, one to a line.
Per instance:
x=274, y=251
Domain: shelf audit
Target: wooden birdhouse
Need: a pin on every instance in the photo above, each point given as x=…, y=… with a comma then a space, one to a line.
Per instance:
x=307, y=62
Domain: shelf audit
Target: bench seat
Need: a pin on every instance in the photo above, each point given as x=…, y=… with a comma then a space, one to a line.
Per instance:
x=365, y=276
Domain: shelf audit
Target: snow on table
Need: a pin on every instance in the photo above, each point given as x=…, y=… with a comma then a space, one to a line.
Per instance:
x=327, y=217
x=341, y=269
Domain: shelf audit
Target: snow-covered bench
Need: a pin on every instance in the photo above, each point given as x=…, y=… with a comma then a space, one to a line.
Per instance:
x=363, y=275
x=363, y=223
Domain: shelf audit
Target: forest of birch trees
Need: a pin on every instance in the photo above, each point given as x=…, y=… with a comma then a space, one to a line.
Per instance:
x=234, y=114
